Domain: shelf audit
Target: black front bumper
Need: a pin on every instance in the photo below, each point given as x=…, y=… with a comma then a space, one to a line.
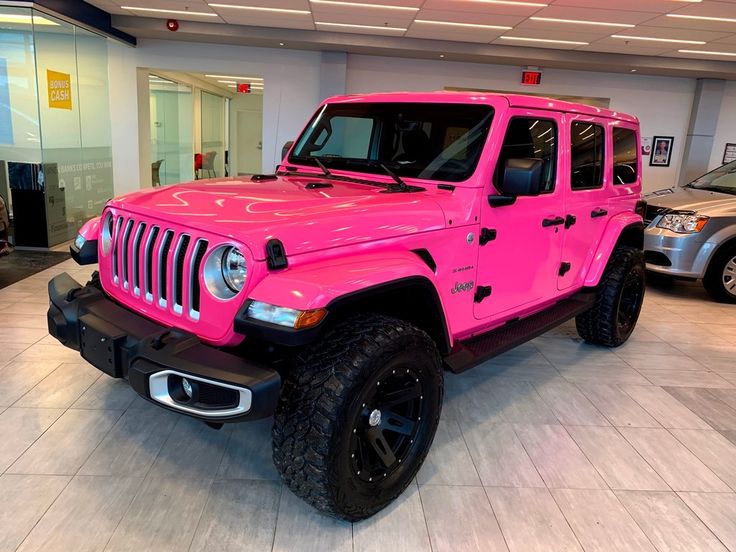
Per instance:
x=124, y=344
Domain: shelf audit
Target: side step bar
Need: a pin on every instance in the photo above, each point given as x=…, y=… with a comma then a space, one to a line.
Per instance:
x=477, y=349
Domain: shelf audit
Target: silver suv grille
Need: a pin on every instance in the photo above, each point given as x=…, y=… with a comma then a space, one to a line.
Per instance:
x=149, y=262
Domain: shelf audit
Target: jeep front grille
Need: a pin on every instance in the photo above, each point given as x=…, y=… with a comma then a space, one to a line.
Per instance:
x=158, y=265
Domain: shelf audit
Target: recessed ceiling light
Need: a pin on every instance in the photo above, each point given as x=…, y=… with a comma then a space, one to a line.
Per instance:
x=545, y=40
x=580, y=22
x=261, y=8
x=282, y=44
x=651, y=39
x=702, y=18
x=363, y=5
x=633, y=70
x=471, y=25
x=513, y=3
x=177, y=12
x=356, y=26
x=705, y=52
x=25, y=19
x=235, y=78
x=442, y=55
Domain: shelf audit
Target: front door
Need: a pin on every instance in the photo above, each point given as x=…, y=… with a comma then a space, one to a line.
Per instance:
x=520, y=264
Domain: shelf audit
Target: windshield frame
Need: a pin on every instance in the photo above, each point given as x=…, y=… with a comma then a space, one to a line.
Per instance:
x=707, y=186
x=487, y=111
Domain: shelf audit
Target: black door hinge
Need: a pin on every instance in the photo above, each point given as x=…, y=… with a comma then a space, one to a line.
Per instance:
x=569, y=221
x=275, y=255
x=564, y=268
x=481, y=292
x=486, y=235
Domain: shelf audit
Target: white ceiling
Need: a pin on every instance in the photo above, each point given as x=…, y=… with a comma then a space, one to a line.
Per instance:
x=476, y=19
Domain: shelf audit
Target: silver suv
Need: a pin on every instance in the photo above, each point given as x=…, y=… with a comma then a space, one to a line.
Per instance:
x=691, y=232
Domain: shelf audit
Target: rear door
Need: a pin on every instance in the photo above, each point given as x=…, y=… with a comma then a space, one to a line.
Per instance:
x=519, y=264
x=587, y=193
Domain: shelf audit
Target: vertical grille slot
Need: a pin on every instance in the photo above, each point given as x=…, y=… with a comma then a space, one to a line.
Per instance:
x=177, y=274
x=137, y=256
x=148, y=264
x=124, y=258
x=163, y=259
x=116, y=251
x=194, y=287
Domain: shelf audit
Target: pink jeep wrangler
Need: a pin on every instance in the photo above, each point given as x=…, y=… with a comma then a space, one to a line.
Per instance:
x=403, y=234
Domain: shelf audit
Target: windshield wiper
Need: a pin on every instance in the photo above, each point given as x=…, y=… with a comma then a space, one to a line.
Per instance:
x=402, y=185
x=321, y=165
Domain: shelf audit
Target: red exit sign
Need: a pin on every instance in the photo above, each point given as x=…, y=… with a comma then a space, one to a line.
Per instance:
x=531, y=78
x=244, y=88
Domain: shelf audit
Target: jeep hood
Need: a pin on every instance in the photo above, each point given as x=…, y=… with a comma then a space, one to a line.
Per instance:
x=703, y=202
x=303, y=219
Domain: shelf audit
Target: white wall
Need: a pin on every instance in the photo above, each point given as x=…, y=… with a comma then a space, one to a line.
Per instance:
x=726, y=129
x=291, y=83
x=662, y=104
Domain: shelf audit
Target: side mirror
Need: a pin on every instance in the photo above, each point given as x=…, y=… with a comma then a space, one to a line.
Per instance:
x=285, y=149
x=523, y=177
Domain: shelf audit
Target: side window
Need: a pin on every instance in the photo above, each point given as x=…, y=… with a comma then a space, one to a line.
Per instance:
x=530, y=138
x=625, y=156
x=586, y=156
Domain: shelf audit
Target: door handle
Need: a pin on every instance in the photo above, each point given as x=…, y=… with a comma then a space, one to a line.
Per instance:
x=595, y=213
x=556, y=221
x=569, y=221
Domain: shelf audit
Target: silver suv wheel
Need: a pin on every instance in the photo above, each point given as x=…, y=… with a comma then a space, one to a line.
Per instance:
x=729, y=276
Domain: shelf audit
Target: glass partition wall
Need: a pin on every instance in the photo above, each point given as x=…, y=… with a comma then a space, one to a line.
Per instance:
x=55, y=148
x=171, y=131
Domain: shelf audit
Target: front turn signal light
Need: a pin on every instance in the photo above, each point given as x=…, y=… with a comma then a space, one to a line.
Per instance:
x=309, y=318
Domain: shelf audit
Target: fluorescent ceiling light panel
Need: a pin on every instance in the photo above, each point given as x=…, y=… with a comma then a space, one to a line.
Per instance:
x=650, y=39
x=227, y=81
x=513, y=3
x=580, y=22
x=363, y=5
x=355, y=26
x=235, y=78
x=176, y=12
x=261, y=8
x=702, y=18
x=25, y=19
x=545, y=40
x=469, y=25
x=705, y=52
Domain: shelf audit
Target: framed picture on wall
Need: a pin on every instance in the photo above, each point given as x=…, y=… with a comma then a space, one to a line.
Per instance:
x=661, y=151
x=729, y=154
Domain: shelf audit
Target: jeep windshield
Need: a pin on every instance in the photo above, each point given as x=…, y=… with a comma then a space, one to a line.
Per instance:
x=722, y=179
x=431, y=141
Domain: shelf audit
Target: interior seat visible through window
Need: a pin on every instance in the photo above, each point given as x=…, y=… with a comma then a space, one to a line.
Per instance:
x=530, y=139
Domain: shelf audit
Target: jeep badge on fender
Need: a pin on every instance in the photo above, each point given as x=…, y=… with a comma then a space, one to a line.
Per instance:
x=329, y=295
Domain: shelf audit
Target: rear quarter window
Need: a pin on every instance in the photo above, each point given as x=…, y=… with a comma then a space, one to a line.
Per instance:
x=625, y=156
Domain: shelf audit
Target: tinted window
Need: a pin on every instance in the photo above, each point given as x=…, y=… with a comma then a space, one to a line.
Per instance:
x=586, y=156
x=625, y=156
x=530, y=138
x=420, y=140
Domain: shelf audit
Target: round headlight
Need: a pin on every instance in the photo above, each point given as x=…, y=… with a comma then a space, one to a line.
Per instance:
x=225, y=271
x=106, y=233
x=234, y=270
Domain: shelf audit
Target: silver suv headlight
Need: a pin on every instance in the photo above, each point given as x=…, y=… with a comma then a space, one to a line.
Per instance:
x=683, y=223
x=225, y=272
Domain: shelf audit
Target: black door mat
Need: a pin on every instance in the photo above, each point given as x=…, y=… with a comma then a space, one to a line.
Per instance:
x=21, y=264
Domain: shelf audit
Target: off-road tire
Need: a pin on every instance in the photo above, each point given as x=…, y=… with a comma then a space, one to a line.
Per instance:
x=321, y=402
x=713, y=280
x=600, y=325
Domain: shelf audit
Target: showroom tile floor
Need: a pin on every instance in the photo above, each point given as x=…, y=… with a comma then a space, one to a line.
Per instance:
x=554, y=446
